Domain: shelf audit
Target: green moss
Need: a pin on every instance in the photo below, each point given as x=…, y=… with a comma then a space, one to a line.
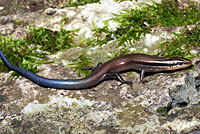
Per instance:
x=80, y=63
x=132, y=24
x=183, y=45
x=173, y=13
x=135, y=23
x=49, y=40
x=162, y=111
x=23, y=52
x=18, y=52
x=73, y=3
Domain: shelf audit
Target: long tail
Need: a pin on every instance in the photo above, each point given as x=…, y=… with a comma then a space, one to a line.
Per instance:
x=51, y=83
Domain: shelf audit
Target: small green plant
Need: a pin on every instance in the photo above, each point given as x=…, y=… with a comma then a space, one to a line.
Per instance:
x=17, y=22
x=51, y=41
x=173, y=13
x=131, y=26
x=80, y=63
x=77, y=3
x=183, y=44
x=23, y=52
x=137, y=22
x=20, y=54
x=65, y=20
x=162, y=111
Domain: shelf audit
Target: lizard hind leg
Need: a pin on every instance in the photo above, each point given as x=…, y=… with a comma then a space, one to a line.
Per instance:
x=119, y=78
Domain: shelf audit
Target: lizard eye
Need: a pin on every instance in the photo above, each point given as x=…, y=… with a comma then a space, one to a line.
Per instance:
x=179, y=63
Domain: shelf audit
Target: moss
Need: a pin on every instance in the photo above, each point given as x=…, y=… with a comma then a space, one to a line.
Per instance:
x=162, y=111
x=134, y=23
x=49, y=40
x=183, y=45
x=80, y=63
x=73, y=3
x=23, y=52
x=173, y=13
x=18, y=53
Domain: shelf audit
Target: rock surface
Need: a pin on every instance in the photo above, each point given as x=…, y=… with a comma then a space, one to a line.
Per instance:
x=107, y=108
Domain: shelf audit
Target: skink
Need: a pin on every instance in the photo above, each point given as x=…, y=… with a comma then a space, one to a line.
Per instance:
x=107, y=70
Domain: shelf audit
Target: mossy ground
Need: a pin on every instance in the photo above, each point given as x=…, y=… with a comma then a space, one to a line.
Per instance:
x=132, y=25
